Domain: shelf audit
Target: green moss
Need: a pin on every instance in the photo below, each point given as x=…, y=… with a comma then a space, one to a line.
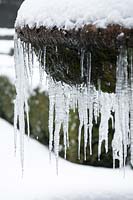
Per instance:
x=104, y=61
x=63, y=64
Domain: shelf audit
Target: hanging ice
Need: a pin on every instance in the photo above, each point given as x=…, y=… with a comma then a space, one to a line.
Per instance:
x=121, y=135
x=131, y=105
x=92, y=105
x=21, y=102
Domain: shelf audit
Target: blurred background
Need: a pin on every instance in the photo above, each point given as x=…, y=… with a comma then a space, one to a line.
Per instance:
x=8, y=11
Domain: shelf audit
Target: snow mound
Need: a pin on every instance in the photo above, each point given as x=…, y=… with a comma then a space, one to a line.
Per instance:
x=75, y=182
x=69, y=14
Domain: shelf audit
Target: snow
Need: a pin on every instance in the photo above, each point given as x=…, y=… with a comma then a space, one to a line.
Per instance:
x=7, y=67
x=7, y=62
x=6, y=32
x=69, y=14
x=6, y=46
x=74, y=182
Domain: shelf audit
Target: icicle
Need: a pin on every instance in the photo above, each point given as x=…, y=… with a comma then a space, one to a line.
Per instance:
x=42, y=63
x=89, y=68
x=24, y=57
x=117, y=140
x=51, y=115
x=91, y=104
x=96, y=107
x=82, y=63
x=59, y=117
x=15, y=125
x=30, y=67
x=71, y=97
x=85, y=115
x=32, y=57
x=90, y=98
x=44, y=57
x=21, y=105
x=27, y=117
x=105, y=110
x=120, y=140
x=131, y=106
x=66, y=119
x=81, y=119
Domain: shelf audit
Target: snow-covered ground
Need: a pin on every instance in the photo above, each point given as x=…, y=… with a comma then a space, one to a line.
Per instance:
x=40, y=182
x=7, y=67
x=6, y=46
x=71, y=14
x=6, y=32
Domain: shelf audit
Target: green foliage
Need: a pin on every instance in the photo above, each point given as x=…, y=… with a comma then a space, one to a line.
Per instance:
x=7, y=95
x=38, y=104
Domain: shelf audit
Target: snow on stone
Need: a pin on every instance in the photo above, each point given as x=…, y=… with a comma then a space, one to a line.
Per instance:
x=70, y=14
x=40, y=181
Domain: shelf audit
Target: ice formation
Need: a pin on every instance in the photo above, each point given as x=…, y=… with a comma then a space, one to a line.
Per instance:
x=23, y=73
x=131, y=106
x=91, y=104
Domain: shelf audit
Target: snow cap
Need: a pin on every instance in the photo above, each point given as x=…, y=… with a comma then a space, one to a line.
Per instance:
x=69, y=14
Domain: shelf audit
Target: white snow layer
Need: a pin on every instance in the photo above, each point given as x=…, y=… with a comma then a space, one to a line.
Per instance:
x=74, y=182
x=6, y=46
x=70, y=14
x=6, y=32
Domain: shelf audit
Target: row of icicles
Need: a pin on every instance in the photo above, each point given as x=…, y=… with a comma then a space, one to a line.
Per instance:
x=86, y=99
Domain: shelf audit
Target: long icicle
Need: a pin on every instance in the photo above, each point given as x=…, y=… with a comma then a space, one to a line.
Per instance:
x=21, y=102
x=131, y=106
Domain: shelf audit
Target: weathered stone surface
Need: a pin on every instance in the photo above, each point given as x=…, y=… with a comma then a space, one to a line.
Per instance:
x=88, y=37
x=64, y=52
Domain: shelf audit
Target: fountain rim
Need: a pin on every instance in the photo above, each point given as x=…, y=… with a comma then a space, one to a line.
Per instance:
x=89, y=36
